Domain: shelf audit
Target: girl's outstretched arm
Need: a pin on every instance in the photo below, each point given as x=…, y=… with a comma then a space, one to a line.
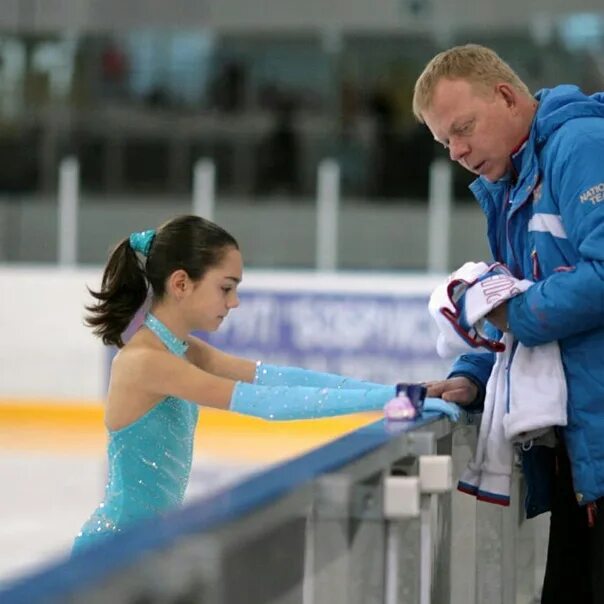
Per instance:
x=158, y=373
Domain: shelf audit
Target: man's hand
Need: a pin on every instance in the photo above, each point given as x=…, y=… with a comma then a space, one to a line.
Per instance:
x=458, y=389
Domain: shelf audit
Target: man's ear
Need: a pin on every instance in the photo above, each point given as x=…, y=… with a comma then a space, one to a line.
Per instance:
x=508, y=93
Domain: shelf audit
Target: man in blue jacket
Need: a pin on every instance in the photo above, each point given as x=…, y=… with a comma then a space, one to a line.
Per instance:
x=539, y=160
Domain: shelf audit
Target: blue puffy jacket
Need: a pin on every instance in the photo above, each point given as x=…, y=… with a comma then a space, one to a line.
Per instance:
x=548, y=225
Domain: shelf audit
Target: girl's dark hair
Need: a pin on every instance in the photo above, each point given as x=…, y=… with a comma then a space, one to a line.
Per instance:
x=190, y=243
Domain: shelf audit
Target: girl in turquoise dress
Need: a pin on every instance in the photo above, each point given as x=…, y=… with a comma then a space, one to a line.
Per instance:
x=160, y=378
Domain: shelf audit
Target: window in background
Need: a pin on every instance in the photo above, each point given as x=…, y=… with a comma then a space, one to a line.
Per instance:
x=169, y=69
x=12, y=76
x=583, y=31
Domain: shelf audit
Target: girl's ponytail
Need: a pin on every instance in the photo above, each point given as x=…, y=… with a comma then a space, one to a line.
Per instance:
x=123, y=291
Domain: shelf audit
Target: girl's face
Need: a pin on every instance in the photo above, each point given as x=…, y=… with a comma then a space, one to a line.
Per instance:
x=211, y=299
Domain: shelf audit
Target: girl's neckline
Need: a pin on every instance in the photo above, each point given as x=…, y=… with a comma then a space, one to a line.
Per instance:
x=169, y=339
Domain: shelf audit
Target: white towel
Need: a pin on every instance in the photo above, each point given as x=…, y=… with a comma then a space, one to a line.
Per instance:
x=460, y=304
x=488, y=473
x=537, y=392
x=521, y=404
x=526, y=393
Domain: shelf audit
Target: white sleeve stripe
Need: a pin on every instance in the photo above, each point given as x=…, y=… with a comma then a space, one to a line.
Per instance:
x=547, y=223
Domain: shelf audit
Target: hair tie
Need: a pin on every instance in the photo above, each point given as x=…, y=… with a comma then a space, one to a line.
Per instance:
x=141, y=241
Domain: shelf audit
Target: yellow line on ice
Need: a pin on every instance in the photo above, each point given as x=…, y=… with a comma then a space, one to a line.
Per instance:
x=76, y=427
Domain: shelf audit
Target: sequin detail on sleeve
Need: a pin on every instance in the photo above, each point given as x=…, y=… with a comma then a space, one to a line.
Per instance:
x=300, y=402
x=275, y=375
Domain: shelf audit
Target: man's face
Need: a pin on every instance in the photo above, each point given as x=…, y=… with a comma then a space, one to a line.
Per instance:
x=479, y=127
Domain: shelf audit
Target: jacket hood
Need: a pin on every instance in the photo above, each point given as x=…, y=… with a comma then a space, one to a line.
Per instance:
x=561, y=104
x=556, y=107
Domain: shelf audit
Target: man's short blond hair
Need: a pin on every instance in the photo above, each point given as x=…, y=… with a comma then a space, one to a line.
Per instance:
x=474, y=63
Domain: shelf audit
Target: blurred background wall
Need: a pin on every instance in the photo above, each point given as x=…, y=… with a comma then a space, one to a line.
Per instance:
x=139, y=91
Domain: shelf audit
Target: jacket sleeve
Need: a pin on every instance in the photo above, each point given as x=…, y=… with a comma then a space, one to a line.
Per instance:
x=570, y=302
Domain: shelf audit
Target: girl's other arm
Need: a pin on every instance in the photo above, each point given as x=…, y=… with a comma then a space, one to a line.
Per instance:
x=214, y=361
x=158, y=373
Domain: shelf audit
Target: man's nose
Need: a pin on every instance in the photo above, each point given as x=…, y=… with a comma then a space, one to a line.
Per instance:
x=458, y=150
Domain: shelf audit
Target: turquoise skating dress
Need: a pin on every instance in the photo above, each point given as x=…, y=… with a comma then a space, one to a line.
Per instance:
x=149, y=461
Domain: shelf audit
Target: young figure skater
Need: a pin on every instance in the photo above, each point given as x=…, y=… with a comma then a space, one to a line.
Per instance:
x=191, y=268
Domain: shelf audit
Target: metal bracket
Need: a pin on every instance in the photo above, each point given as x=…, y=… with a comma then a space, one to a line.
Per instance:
x=341, y=498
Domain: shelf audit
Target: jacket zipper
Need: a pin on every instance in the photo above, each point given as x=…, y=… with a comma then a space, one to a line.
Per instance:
x=519, y=273
x=535, y=265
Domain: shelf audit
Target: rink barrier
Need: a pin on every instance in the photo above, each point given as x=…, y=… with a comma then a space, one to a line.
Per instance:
x=325, y=527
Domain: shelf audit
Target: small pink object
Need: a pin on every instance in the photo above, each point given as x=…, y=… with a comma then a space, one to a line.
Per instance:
x=400, y=408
